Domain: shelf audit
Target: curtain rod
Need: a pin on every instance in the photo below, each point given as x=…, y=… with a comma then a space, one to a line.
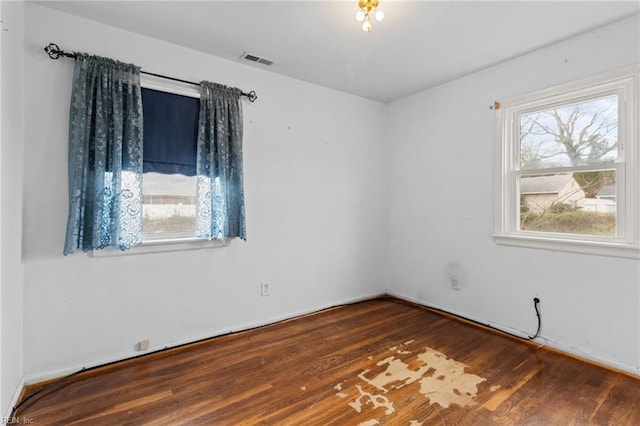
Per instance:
x=54, y=52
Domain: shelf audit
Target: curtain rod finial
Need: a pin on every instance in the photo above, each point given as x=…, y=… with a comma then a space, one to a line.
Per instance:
x=252, y=96
x=53, y=50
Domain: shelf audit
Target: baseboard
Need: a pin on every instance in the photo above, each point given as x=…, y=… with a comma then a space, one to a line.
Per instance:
x=8, y=411
x=42, y=379
x=539, y=342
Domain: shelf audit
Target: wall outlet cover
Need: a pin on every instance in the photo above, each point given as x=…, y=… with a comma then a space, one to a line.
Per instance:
x=265, y=289
x=143, y=345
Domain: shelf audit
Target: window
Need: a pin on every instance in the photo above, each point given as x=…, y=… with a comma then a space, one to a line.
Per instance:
x=567, y=168
x=168, y=182
x=169, y=163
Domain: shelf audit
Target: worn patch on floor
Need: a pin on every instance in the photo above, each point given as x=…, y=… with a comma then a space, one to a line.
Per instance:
x=441, y=381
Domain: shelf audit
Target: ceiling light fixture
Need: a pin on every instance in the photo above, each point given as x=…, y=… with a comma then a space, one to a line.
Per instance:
x=368, y=8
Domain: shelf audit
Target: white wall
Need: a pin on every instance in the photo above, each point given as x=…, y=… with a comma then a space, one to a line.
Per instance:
x=442, y=198
x=316, y=217
x=11, y=152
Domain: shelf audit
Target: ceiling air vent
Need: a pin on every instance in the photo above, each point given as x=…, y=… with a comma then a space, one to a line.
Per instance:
x=254, y=58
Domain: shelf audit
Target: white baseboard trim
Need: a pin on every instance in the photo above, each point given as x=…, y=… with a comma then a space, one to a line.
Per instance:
x=541, y=340
x=12, y=403
x=59, y=373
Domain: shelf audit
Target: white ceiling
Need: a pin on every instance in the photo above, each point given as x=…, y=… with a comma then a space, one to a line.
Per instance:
x=420, y=44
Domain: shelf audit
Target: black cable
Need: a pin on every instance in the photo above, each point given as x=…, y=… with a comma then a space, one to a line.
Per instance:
x=63, y=381
x=535, y=306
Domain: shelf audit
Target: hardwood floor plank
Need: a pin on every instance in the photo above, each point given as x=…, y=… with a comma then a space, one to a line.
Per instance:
x=507, y=392
x=129, y=405
x=375, y=362
x=621, y=407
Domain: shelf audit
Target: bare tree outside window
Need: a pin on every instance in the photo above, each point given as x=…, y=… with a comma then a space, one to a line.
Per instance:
x=569, y=151
x=574, y=135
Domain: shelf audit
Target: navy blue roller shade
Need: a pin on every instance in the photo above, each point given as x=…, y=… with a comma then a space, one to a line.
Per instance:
x=170, y=132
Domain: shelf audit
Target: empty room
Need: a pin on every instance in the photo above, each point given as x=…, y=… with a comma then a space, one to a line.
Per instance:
x=351, y=212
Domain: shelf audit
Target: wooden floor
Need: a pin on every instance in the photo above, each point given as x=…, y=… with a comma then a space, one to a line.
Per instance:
x=376, y=362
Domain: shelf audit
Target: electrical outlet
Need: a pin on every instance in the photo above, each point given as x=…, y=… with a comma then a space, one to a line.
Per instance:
x=455, y=282
x=265, y=289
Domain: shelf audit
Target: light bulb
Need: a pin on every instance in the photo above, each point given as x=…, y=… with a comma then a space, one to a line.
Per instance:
x=379, y=15
x=366, y=26
x=360, y=16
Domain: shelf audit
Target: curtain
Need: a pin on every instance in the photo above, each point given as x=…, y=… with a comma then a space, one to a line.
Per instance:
x=220, y=193
x=105, y=156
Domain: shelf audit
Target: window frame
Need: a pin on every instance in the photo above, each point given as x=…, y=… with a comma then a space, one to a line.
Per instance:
x=625, y=84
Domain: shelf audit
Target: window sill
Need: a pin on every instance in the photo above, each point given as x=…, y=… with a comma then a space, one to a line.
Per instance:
x=599, y=248
x=162, y=246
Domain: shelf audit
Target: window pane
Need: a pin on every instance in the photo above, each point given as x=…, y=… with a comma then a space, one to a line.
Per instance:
x=570, y=203
x=576, y=134
x=169, y=205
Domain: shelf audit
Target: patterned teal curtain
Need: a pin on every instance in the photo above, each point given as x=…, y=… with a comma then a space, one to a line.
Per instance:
x=105, y=156
x=220, y=192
